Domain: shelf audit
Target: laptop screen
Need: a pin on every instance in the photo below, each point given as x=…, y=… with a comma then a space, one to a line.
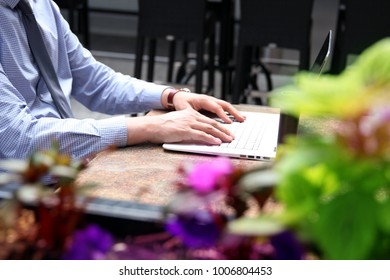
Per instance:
x=288, y=124
x=323, y=55
x=258, y=136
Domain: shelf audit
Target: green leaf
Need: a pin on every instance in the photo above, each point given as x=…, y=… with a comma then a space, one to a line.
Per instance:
x=374, y=63
x=346, y=227
x=83, y=189
x=256, y=180
x=63, y=171
x=311, y=95
x=6, y=178
x=308, y=173
x=14, y=165
x=255, y=226
x=29, y=193
x=366, y=174
x=360, y=86
x=42, y=158
x=298, y=197
x=384, y=216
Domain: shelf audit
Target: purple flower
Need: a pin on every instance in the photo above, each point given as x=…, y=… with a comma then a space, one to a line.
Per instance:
x=196, y=230
x=287, y=246
x=91, y=243
x=204, y=177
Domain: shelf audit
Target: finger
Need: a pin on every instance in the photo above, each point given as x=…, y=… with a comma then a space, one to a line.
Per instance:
x=220, y=112
x=201, y=137
x=224, y=134
x=230, y=109
x=216, y=126
x=220, y=108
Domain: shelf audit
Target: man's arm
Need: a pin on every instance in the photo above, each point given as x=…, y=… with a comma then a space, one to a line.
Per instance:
x=21, y=133
x=99, y=87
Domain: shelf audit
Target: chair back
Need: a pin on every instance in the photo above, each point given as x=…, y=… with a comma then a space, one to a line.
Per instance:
x=360, y=23
x=188, y=21
x=70, y=4
x=285, y=23
x=177, y=18
x=78, y=8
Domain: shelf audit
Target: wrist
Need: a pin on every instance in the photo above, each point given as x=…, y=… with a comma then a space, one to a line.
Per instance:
x=142, y=129
x=171, y=92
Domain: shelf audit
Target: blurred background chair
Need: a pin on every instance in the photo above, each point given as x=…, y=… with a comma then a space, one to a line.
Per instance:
x=224, y=11
x=360, y=23
x=188, y=22
x=283, y=24
x=78, y=17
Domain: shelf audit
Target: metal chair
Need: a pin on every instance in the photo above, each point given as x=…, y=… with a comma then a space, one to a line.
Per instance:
x=284, y=23
x=360, y=23
x=189, y=22
x=77, y=8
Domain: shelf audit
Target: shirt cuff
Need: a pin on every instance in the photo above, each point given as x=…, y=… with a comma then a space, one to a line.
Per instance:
x=113, y=132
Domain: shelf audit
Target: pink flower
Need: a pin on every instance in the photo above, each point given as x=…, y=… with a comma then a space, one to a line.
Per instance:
x=206, y=176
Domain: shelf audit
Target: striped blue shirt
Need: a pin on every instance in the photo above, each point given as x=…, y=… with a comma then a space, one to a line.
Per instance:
x=29, y=119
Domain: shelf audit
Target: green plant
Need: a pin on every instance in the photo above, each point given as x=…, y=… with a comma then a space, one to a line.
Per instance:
x=39, y=220
x=335, y=186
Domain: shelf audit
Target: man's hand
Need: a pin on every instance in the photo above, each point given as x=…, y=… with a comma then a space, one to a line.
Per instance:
x=186, y=125
x=183, y=100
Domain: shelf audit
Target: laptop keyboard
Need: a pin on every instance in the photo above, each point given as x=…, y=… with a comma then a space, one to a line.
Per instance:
x=248, y=135
x=255, y=138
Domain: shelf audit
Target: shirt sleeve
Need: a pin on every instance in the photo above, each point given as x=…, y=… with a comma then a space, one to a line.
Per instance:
x=25, y=127
x=21, y=133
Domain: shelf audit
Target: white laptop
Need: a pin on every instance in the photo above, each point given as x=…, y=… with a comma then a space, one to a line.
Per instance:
x=257, y=137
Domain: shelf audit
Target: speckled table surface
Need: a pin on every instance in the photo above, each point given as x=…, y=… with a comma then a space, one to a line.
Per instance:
x=144, y=173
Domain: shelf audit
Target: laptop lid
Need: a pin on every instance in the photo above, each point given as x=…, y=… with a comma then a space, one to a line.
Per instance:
x=289, y=124
x=323, y=55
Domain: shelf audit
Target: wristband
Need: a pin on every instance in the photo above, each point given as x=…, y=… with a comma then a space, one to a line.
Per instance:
x=171, y=95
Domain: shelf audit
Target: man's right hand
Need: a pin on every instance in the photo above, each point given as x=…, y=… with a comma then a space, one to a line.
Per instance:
x=178, y=126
